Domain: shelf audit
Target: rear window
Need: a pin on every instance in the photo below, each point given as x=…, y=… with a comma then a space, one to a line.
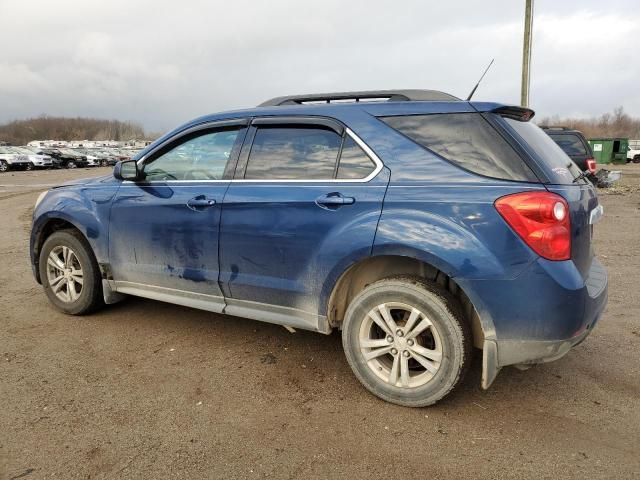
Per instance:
x=466, y=140
x=570, y=143
x=281, y=153
x=563, y=170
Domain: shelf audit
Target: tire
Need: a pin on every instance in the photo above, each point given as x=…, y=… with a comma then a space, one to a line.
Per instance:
x=448, y=334
x=29, y=167
x=636, y=159
x=83, y=298
x=71, y=164
x=4, y=166
x=103, y=163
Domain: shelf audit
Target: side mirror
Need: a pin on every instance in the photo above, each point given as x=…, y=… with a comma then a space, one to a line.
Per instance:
x=126, y=170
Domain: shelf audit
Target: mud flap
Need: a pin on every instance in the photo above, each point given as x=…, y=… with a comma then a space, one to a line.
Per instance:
x=490, y=366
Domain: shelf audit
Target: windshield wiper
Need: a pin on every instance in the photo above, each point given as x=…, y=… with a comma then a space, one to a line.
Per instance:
x=580, y=177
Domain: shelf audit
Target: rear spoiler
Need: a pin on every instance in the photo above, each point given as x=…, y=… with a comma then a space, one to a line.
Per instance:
x=520, y=114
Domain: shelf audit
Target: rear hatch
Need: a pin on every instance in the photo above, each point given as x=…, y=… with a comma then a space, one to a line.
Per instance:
x=564, y=178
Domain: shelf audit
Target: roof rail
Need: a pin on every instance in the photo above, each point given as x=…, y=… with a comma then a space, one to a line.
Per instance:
x=372, y=95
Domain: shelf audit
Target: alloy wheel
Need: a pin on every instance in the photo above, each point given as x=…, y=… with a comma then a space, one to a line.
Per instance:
x=64, y=273
x=400, y=345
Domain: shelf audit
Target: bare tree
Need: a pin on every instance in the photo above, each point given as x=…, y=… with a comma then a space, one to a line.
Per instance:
x=20, y=132
x=616, y=124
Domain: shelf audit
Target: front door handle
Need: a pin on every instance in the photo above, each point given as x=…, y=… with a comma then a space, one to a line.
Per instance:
x=334, y=200
x=200, y=202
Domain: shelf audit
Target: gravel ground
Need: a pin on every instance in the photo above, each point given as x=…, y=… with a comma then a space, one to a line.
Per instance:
x=150, y=390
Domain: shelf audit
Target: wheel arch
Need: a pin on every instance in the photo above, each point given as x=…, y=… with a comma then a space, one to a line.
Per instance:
x=44, y=230
x=371, y=269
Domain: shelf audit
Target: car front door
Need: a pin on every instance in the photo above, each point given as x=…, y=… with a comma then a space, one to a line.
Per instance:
x=304, y=203
x=163, y=240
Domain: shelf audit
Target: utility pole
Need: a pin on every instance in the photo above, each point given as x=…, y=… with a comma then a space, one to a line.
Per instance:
x=526, y=53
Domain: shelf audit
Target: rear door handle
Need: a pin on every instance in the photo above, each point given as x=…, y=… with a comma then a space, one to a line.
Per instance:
x=334, y=200
x=200, y=202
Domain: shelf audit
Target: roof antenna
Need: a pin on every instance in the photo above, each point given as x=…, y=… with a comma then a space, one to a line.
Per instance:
x=478, y=84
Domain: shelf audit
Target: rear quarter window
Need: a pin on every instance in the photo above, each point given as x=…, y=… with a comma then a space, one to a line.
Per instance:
x=559, y=167
x=466, y=140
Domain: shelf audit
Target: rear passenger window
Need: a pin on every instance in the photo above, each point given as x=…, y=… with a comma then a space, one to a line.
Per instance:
x=291, y=153
x=354, y=163
x=467, y=140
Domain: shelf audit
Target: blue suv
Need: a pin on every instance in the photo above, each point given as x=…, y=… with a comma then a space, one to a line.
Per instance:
x=419, y=225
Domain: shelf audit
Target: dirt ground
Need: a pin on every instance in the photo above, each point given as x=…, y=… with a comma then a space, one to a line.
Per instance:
x=149, y=390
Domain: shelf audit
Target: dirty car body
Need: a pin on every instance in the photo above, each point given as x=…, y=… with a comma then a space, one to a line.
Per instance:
x=420, y=185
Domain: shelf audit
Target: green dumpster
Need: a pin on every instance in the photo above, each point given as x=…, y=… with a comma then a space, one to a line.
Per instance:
x=609, y=150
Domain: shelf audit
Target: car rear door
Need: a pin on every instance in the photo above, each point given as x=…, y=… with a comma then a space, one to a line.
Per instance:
x=305, y=200
x=163, y=240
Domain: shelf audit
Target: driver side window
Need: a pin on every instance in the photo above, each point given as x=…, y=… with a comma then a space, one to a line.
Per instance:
x=203, y=157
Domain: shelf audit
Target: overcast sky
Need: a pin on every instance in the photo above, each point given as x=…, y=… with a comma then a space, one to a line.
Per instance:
x=161, y=62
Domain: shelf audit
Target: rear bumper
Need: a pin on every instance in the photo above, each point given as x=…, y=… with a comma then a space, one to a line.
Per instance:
x=539, y=316
x=593, y=295
x=513, y=352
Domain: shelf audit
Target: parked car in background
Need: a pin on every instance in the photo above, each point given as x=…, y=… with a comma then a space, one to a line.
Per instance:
x=105, y=158
x=92, y=159
x=66, y=157
x=55, y=162
x=633, y=153
x=111, y=157
x=418, y=224
x=36, y=160
x=575, y=145
x=12, y=160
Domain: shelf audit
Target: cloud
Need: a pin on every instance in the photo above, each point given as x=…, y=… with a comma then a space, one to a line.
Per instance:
x=161, y=63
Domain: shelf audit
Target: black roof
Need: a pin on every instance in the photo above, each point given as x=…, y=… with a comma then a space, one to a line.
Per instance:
x=386, y=95
x=558, y=128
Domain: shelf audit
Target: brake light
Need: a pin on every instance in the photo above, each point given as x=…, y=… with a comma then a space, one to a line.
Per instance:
x=591, y=165
x=541, y=219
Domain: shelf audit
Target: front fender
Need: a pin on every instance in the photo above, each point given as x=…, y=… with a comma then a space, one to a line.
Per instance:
x=86, y=208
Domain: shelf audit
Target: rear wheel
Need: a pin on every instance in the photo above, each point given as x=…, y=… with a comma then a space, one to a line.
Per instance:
x=406, y=341
x=4, y=166
x=70, y=274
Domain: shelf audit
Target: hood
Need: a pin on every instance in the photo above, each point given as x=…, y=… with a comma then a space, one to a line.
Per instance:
x=101, y=180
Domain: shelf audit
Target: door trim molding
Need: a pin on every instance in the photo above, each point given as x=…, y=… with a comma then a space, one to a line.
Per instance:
x=201, y=301
x=264, y=312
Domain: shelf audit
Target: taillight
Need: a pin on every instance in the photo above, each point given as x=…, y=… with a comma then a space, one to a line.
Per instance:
x=591, y=165
x=541, y=219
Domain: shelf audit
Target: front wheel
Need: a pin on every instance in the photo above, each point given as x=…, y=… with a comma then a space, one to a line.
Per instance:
x=406, y=341
x=70, y=274
x=71, y=164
